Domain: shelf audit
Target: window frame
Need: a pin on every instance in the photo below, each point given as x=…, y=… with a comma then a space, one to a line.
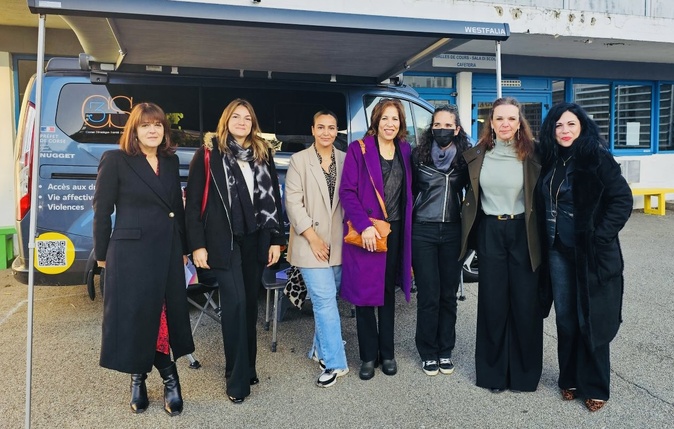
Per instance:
x=654, y=117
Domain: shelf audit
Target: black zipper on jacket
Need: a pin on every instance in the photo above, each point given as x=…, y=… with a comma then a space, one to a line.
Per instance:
x=229, y=221
x=447, y=188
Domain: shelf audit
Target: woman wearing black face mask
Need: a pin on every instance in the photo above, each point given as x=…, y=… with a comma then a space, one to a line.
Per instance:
x=439, y=179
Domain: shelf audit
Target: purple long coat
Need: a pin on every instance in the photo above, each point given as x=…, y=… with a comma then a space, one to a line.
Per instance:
x=363, y=271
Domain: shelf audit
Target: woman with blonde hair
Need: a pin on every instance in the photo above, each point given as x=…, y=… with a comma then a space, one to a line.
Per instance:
x=234, y=228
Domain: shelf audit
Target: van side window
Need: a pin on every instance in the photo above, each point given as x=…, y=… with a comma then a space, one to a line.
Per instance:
x=422, y=119
x=285, y=116
x=415, y=125
x=97, y=113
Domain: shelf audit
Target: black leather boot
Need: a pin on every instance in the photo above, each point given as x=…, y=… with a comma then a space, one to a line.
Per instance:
x=139, y=401
x=173, y=400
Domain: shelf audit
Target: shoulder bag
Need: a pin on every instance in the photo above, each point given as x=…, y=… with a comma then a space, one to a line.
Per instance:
x=383, y=228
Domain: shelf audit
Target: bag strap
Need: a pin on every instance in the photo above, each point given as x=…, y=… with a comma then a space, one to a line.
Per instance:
x=381, y=201
x=207, y=175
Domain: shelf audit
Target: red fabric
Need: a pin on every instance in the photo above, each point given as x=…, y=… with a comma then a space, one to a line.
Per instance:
x=163, y=336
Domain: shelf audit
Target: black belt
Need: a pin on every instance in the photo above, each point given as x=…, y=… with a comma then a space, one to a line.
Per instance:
x=506, y=216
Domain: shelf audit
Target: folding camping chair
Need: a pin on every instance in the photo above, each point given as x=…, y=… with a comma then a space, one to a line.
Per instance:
x=206, y=287
x=273, y=285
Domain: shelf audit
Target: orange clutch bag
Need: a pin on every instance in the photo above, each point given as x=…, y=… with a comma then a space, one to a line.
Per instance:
x=382, y=227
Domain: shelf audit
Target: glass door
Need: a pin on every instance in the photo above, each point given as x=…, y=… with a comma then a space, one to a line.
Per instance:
x=534, y=108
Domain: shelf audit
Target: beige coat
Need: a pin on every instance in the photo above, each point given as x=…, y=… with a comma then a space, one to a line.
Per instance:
x=307, y=204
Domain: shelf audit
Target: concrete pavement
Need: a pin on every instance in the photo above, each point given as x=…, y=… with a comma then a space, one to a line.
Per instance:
x=70, y=390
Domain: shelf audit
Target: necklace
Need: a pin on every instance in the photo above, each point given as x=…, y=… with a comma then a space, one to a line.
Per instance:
x=564, y=161
x=388, y=152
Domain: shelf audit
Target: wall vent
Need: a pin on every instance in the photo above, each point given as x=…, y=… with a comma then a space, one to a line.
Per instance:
x=631, y=170
x=511, y=83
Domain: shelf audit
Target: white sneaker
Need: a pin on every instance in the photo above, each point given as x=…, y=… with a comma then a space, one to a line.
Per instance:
x=321, y=362
x=430, y=367
x=446, y=366
x=329, y=377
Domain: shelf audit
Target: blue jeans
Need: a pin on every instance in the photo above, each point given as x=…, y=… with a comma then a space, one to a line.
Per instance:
x=323, y=286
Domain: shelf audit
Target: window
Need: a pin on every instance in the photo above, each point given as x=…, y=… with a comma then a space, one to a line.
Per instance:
x=596, y=100
x=429, y=81
x=417, y=118
x=97, y=113
x=531, y=110
x=632, y=120
x=666, y=131
x=285, y=115
x=558, y=91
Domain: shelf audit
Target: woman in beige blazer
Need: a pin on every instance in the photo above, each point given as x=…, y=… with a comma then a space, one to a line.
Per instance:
x=315, y=246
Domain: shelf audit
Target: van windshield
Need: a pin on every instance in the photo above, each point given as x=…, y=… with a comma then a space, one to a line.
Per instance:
x=90, y=113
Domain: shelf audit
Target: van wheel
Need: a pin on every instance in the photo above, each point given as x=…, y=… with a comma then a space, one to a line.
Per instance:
x=470, y=268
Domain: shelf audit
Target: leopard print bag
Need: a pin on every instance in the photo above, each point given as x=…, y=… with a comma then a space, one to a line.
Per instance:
x=296, y=289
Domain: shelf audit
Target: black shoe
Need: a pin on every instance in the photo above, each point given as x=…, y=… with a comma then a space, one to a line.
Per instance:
x=173, y=399
x=139, y=401
x=389, y=366
x=254, y=381
x=236, y=400
x=367, y=370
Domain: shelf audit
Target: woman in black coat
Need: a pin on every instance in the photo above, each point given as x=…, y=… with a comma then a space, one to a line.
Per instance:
x=145, y=304
x=234, y=228
x=584, y=202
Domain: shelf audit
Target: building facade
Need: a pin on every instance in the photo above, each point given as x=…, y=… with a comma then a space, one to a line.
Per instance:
x=614, y=57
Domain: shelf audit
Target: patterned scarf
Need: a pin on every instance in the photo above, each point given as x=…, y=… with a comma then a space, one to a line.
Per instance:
x=249, y=216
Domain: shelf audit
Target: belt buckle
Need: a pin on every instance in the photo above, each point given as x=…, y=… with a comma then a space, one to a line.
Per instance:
x=505, y=217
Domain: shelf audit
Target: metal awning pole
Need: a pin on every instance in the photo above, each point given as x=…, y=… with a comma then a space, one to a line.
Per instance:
x=33, y=212
x=499, y=91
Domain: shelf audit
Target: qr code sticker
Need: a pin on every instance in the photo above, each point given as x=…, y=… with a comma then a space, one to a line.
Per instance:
x=51, y=253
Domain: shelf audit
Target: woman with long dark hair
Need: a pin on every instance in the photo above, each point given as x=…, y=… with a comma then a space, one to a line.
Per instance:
x=439, y=179
x=584, y=202
x=145, y=315
x=234, y=228
x=498, y=213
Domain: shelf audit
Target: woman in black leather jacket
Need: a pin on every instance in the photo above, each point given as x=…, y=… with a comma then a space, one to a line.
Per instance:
x=439, y=179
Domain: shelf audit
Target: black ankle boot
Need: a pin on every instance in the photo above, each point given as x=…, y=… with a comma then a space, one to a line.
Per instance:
x=173, y=400
x=139, y=401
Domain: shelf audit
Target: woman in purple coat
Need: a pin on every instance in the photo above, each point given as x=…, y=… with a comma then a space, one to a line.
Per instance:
x=369, y=278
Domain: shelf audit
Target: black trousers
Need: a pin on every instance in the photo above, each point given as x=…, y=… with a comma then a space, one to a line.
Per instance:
x=375, y=333
x=437, y=271
x=509, y=343
x=239, y=289
x=580, y=367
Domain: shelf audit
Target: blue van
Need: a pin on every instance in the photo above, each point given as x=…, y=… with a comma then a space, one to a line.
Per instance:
x=83, y=116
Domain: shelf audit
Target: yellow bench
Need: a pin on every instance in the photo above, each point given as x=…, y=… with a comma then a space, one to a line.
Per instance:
x=653, y=192
x=6, y=246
